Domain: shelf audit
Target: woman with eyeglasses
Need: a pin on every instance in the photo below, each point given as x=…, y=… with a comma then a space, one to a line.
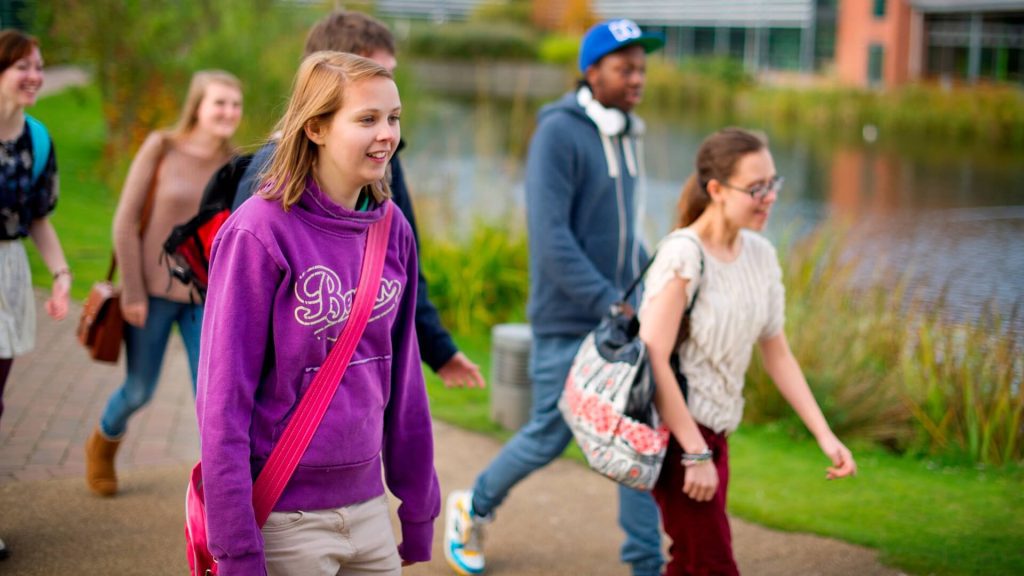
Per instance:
x=717, y=261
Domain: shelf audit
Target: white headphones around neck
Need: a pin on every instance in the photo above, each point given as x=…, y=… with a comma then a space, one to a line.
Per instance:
x=610, y=121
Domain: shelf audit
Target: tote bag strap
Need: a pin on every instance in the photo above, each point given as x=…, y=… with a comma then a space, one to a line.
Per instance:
x=639, y=277
x=297, y=436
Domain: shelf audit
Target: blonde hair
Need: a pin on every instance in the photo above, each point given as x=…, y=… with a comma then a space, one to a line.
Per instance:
x=197, y=88
x=318, y=93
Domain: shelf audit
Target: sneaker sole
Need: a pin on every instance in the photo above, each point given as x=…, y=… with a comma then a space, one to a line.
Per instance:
x=449, y=525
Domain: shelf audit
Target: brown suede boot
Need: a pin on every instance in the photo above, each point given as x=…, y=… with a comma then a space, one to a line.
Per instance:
x=99, y=463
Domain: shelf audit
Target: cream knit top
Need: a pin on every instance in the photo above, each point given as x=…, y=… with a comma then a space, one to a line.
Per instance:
x=739, y=303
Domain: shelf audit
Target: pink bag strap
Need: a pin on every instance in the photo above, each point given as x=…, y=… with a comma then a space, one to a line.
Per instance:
x=296, y=437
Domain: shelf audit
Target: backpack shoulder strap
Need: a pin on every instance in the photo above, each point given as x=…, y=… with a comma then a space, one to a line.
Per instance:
x=41, y=146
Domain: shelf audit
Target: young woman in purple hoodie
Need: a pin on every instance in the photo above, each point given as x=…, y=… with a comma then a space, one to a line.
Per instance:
x=282, y=280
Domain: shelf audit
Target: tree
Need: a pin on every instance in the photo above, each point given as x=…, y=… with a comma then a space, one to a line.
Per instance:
x=143, y=52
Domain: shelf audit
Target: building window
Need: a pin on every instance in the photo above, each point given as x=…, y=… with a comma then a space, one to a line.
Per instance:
x=784, y=49
x=875, y=55
x=879, y=9
x=703, y=41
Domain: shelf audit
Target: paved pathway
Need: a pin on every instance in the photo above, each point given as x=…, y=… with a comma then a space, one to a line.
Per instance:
x=57, y=78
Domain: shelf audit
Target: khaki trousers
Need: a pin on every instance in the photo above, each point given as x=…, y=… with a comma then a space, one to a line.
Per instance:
x=352, y=540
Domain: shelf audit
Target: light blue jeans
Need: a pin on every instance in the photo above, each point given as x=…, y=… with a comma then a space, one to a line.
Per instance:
x=545, y=437
x=144, y=351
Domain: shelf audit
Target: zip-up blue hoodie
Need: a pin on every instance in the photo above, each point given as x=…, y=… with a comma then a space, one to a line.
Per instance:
x=281, y=287
x=582, y=209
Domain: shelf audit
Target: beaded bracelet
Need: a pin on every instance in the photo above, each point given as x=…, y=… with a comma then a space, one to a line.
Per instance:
x=688, y=460
x=65, y=271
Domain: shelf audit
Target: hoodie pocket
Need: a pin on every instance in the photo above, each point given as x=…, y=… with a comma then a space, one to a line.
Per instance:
x=307, y=379
x=352, y=429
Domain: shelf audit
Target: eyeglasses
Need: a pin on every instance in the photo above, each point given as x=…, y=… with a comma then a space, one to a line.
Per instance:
x=760, y=190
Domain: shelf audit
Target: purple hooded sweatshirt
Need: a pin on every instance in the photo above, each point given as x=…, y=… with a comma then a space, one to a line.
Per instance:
x=281, y=288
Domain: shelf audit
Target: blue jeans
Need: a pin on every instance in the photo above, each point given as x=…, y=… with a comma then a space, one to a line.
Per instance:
x=545, y=437
x=144, y=351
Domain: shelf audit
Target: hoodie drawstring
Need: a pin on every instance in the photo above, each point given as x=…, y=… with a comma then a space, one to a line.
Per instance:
x=610, y=156
x=627, y=149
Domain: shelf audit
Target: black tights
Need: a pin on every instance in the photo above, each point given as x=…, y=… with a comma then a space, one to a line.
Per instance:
x=5, y=370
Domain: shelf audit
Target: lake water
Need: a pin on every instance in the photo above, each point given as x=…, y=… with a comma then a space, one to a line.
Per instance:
x=952, y=222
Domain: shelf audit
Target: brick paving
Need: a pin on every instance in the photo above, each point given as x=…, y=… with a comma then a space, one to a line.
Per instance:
x=55, y=396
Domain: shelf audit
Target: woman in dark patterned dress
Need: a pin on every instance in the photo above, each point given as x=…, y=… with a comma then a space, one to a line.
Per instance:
x=28, y=193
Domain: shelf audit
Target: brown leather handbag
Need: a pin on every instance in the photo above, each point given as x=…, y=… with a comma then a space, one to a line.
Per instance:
x=101, y=327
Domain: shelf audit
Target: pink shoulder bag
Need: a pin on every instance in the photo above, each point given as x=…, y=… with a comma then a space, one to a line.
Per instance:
x=289, y=450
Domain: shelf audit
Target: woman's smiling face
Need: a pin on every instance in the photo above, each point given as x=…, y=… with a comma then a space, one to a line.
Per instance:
x=20, y=83
x=741, y=208
x=220, y=110
x=362, y=135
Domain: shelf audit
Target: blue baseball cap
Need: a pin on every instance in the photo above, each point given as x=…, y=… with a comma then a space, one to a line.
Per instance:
x=612, y=35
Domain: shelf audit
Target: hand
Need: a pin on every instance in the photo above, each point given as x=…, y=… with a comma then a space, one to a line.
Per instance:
x=57, y=303
x=627, y=309
x=842, y=459
x=460, y=371
x=135, y=314
x=701, y=481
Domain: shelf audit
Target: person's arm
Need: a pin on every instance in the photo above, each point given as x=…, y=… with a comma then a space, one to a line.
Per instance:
x=550, y=192
x=41, y=202
x=236, y=337
x=408, y=436
x=45, y=238
x=784, y=370
x=127, y=218
x=659, y=328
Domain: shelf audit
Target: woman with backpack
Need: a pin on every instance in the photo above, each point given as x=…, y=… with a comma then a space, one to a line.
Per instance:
x=286, y=282
x=717, y=260
x=163, y=188
x=28, y=193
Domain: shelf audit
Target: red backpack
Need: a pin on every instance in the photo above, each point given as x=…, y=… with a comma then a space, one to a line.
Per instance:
x=187, y=249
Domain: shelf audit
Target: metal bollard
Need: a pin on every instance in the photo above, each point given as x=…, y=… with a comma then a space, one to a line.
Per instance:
x=511, y=393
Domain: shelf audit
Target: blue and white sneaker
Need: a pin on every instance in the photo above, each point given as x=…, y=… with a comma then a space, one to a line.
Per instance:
x=464, y=534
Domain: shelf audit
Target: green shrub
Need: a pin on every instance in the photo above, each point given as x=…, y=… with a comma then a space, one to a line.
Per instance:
x=517, y=12
x=472, y=41
x=727, y=71
x=143, y=68
x=672, y=89
x=559, y=49
x=889, y=370
x=478, y=282
x=720, y=91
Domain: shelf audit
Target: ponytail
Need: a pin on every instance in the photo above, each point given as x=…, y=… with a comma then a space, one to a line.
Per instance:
x=692, y=202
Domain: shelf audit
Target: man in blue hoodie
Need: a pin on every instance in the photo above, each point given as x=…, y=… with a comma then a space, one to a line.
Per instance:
x=583, y=205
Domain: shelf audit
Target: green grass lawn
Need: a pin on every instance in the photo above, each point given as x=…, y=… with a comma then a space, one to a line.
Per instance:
x=924, y=518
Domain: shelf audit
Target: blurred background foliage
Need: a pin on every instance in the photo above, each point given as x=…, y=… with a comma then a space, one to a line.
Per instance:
x=142, y=53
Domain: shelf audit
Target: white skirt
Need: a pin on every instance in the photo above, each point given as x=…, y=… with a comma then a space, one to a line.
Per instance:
x=17, y=301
